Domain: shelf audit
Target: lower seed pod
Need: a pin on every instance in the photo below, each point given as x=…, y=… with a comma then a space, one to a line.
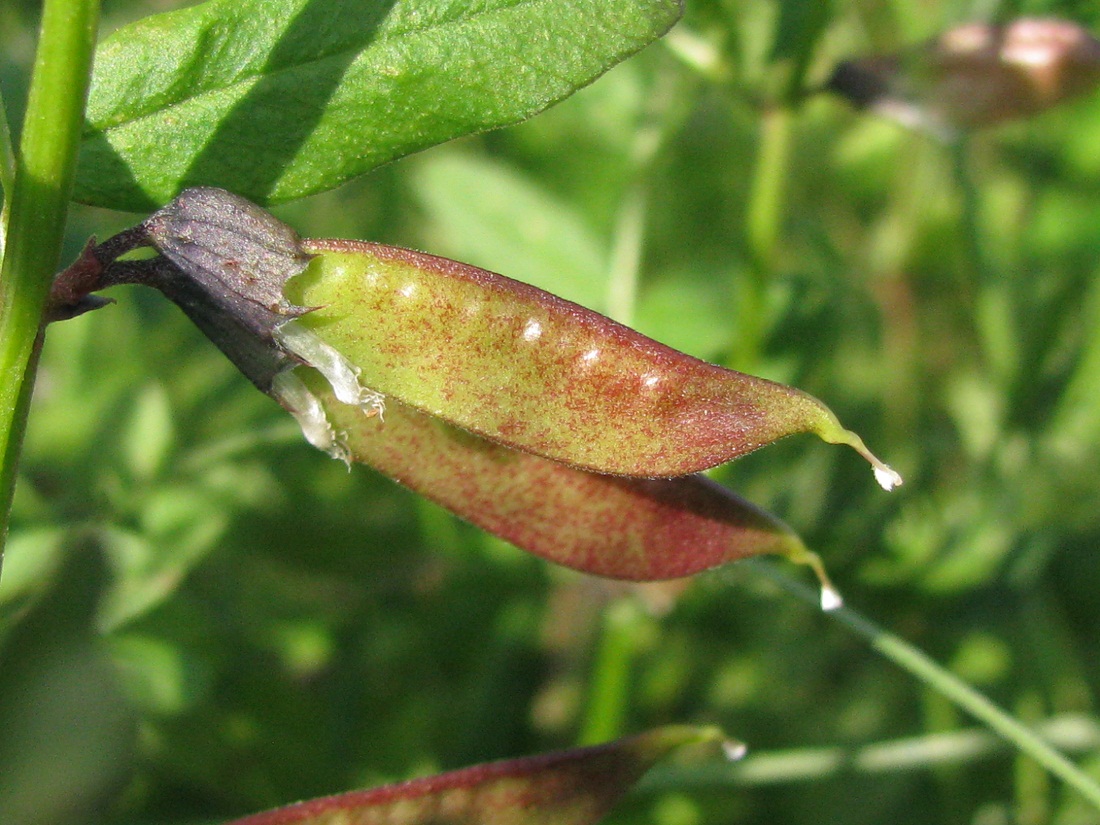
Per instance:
x=571, y=787
x=623, y=528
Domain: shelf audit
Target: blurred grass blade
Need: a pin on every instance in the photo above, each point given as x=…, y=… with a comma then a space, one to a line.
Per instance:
x=277, y=99
x=801, y=25
x=928, y=751
x=7, y=165
x=943, y=681
x=31, y=558
x=61, y=703
x=513, y=225
x=572, y=787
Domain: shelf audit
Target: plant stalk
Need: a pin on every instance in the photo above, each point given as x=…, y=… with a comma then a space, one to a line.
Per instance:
x=960, y=747
x=763, y=229
x=44, y=171
x=7, y=171
x=989, y=293
x=626, y=256
x=947, y=684
x=610, y=686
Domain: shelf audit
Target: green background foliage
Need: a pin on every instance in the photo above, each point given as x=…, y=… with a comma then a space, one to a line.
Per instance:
x=201, y=616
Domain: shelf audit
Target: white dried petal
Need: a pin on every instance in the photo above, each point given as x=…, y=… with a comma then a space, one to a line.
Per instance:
x=887, y=477
x=295, y=397
x=341, y=374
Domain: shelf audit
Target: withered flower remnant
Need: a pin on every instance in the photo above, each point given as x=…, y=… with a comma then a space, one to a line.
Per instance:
x=975, y=75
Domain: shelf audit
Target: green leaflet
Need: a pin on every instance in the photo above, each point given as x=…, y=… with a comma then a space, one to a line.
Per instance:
x=277, y=99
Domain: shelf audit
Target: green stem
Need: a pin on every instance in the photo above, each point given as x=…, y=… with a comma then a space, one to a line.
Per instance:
x=962, y=747
x=766, y=199
x=664, y=116
x=203, y=459
x=947, y=684
x=626, y=256
x=697, y=53
x=971, y=209
x=39, y=197
x=7, y=171
x=609, y=686
x=990, y=296
x=763, y=226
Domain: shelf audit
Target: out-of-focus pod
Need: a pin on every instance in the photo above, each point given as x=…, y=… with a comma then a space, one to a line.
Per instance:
x=975, y=75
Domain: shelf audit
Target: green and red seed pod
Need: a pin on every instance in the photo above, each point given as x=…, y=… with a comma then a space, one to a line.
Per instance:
x=525, y=368
x=567, y=434
x=571, y=787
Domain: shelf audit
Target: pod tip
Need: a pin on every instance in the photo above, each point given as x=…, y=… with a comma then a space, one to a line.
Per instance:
x=830, y=598
x=887, y=477
x=735, y=751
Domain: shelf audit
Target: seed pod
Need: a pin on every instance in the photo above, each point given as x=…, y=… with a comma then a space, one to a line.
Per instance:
x=569, y=387
x=571, y=787
x=494, y=356
x=623, y=528
x=537, y=373
x=976, y=75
